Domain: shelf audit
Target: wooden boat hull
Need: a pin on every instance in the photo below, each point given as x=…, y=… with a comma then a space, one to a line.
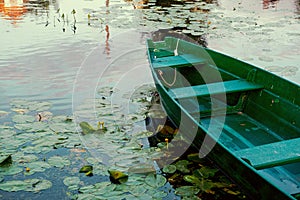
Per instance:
x=253, y=131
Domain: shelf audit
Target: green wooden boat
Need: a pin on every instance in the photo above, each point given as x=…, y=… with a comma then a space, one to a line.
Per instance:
x=244, y=118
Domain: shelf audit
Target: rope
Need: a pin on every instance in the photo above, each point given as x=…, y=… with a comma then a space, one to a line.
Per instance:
x=175, y=74
x=168, y=84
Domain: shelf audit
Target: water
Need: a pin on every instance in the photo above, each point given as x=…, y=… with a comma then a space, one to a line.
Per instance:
x=40, y=61
x=64, y=60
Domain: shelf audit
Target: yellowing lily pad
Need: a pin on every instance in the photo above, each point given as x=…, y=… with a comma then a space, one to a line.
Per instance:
x=86, y=169
x=117, y=177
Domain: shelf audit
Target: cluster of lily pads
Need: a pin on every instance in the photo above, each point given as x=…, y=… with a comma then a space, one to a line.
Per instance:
x=195, y=178
x=33, y=140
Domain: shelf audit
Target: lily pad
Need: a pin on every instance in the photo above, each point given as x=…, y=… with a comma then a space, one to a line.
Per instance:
x=86, y=168
x=187, y=190
x=182, y=165
x=170, y=169
x=86, y=128
x=23, y=119
x=192, y=179
x=30, y=185
x=117, y=177
x=205, y=172
x=58, y=161
x=72, y=182
x=12, y=170
x=155, y=180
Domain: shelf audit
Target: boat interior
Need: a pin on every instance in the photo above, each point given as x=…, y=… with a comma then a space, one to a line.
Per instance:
x=262, y=111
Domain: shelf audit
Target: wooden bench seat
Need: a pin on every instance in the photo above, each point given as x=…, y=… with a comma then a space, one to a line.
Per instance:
x=177, y=61
x=214, y=88
x=273, y=154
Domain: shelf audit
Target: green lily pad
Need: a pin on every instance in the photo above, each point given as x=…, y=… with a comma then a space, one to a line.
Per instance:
x=187, y=191
x=22, y=158
x=72, y=182
x=206, y=185
x=170, y=169
x=38, y=166
x=30, y=185
x=155, y=180
x=23, y=119
x=205, y=172
x=12, y=170
x=33, y=127
x=42, y=185
x=58, y=161
x=182, y=165
x=192, y=179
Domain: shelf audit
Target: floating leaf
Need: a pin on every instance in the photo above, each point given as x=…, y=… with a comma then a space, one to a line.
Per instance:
x=86, y=169
x=58, y=161
x=187, y=190
x=192, y=179
x=23, y=119
x=71, y=181
x=29, y=185
x=86, y=128
x=182, y=165
x=117, y=176
x=170, y=169
x=205, y=172
x=155, y=180
x=42, y=185
x=12, y=170
x=206, y=186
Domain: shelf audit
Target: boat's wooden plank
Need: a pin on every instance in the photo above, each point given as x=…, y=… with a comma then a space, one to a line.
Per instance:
x=272, y=154
x=177, y=61
x=214, y=88
x=163, y=53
